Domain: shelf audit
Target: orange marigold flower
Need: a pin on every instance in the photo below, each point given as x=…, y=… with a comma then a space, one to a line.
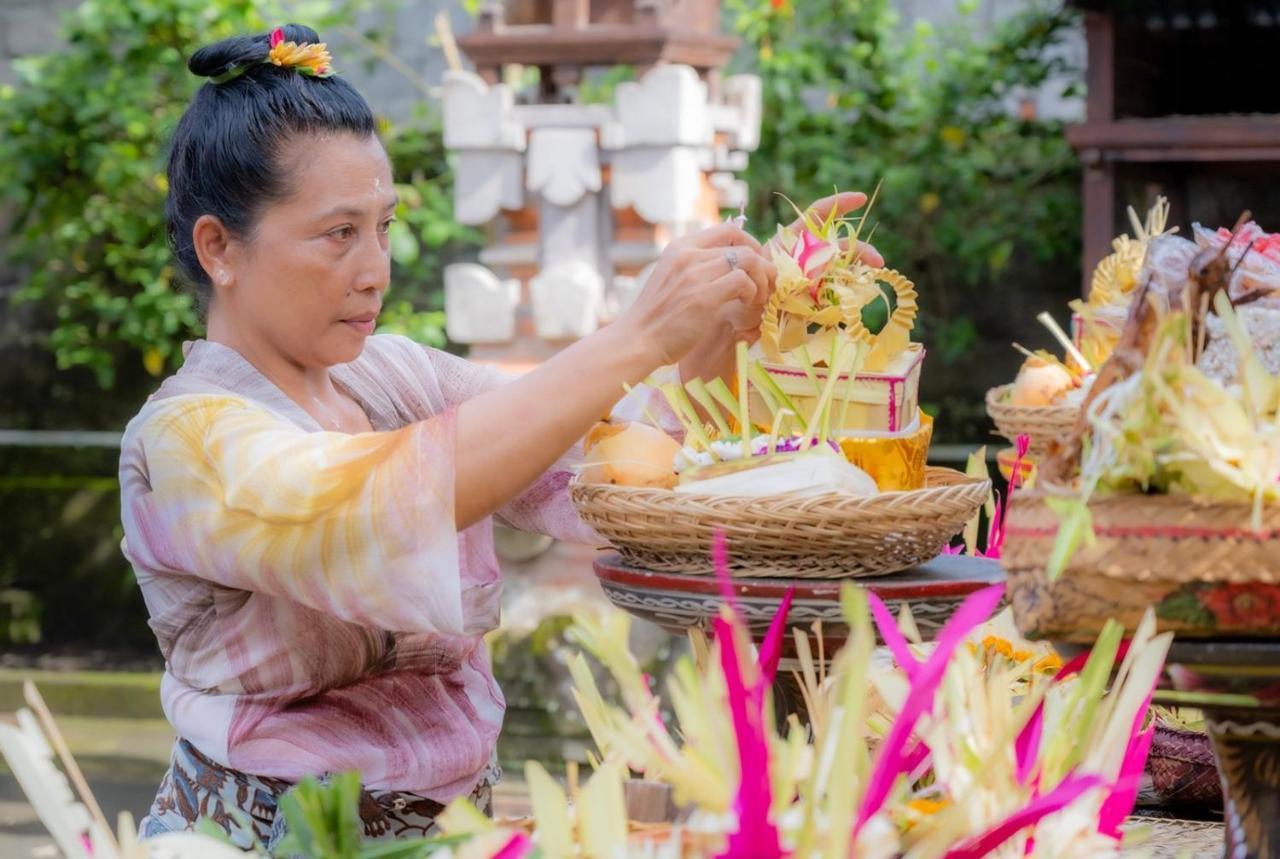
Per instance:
x=927, y=806
x=999, y=645
x=309, y=59
x=1052, y=662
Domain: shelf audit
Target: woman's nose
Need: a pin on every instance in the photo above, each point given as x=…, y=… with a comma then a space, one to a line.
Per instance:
x=375, y=266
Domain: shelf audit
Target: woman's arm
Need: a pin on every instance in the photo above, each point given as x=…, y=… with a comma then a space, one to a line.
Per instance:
x=509, y=436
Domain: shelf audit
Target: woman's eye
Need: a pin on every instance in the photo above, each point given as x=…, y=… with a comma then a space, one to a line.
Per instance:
x=343, y=233
x=386, y=225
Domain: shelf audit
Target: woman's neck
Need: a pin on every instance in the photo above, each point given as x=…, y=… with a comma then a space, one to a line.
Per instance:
x=306, y=386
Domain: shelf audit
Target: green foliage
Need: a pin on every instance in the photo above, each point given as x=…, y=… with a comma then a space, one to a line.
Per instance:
x=82, y=143
x=853, y=100
x=425, y=236
x=323, y=822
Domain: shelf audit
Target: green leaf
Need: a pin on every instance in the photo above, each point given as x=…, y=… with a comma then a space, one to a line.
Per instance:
x=404, y=249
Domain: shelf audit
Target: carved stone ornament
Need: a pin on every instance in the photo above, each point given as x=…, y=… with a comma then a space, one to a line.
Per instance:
x=479, y=307
x=567, y=300
x=564, y=164
x=479, y=116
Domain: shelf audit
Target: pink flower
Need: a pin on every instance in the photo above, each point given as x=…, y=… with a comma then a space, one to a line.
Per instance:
x=277, y=36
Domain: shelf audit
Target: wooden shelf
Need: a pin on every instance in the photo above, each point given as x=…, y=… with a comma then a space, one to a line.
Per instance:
x=600, y=45
x=1179, y=138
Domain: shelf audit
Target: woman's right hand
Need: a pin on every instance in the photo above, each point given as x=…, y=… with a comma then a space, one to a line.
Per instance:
x=714, y=276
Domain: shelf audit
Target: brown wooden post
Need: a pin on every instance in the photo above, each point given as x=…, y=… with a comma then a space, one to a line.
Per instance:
x=1099, y=171
x=570, y=15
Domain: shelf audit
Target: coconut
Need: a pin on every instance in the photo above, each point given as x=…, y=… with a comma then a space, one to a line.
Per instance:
x=630, y=454
x=1041, y=383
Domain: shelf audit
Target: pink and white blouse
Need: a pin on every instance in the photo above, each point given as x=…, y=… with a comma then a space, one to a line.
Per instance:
x=316, y=607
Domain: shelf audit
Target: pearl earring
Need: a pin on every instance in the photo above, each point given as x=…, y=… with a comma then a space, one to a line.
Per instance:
x=222, y=277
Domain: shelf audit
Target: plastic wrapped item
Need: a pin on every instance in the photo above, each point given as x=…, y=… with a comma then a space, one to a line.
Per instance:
x=1255, y=255
x=1221, y=362
x=1168, y=262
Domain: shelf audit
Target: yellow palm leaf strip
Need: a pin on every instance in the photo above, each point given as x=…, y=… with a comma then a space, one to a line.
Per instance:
x=896, y=333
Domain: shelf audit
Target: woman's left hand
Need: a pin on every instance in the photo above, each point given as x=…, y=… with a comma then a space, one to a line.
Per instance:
x=714, y=355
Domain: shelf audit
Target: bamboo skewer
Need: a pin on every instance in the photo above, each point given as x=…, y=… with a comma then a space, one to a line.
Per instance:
x=36, y=702
x=444, y=32
x=1061, y=336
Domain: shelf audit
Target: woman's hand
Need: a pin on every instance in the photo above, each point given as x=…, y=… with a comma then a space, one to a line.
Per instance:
x=713, y=354
x=843, y=203
x=714, y=280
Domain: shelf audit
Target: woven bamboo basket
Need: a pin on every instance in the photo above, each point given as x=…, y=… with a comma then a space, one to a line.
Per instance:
x=828, y=536
x=1183, y=769
x=1041, y=424
x=1200, y=564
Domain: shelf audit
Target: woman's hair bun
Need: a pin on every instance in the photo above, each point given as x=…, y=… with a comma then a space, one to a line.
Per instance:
x=228, y=154
x=220, y=57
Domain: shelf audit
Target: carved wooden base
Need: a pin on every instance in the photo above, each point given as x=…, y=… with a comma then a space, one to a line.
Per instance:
x=678, y=602
x=1248, y=750
x=1245, y=734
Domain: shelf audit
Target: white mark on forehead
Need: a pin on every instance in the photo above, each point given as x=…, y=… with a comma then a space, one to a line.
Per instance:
x=377, y=185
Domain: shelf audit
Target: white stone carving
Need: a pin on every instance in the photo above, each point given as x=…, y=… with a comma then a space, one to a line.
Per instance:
x=666, y=107
x=668, y=146
x=570, y=232
x=661, y=183
x=564, y=164
x=485, y=181
x=479, y=307
x=731, y=192
x=743, y=94
x=568, y=298
x=479, y=116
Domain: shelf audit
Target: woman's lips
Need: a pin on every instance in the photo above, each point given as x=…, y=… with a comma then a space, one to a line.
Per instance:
x=364, y=324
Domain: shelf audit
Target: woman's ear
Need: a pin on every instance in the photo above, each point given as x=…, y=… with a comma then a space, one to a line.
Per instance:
x=214, y=248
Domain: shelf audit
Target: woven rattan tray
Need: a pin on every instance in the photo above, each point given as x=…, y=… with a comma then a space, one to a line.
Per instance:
x=829, y=536
x=1041, y=424
x=1199, y=563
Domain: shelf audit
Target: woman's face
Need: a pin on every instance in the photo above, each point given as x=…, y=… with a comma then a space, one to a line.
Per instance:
x=308, y=282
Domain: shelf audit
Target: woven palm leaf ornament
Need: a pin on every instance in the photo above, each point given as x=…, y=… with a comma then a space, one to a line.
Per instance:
x=1117, y=275
x=822, y=292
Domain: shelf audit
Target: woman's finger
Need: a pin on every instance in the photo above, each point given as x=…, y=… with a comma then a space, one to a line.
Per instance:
x=737, y=285
x=842, y=203
x=867, y=253
x=723, y=236
x=760, y=270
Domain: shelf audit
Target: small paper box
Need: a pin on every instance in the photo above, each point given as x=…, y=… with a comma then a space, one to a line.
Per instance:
x=880, y=402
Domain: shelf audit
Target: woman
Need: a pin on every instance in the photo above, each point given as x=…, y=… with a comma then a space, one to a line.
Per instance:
x=308, y=508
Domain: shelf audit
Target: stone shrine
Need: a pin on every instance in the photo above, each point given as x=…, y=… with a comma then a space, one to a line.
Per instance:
x=579, y=200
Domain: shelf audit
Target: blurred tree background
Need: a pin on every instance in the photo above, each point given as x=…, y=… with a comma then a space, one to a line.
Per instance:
x=978, y=202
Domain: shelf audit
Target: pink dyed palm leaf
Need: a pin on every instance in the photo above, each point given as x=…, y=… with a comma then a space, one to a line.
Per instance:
x=1027, y=746
x=892, y=636
x=894, y=759
x=518, y=847
x=1064, y=794
x=756, y=836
